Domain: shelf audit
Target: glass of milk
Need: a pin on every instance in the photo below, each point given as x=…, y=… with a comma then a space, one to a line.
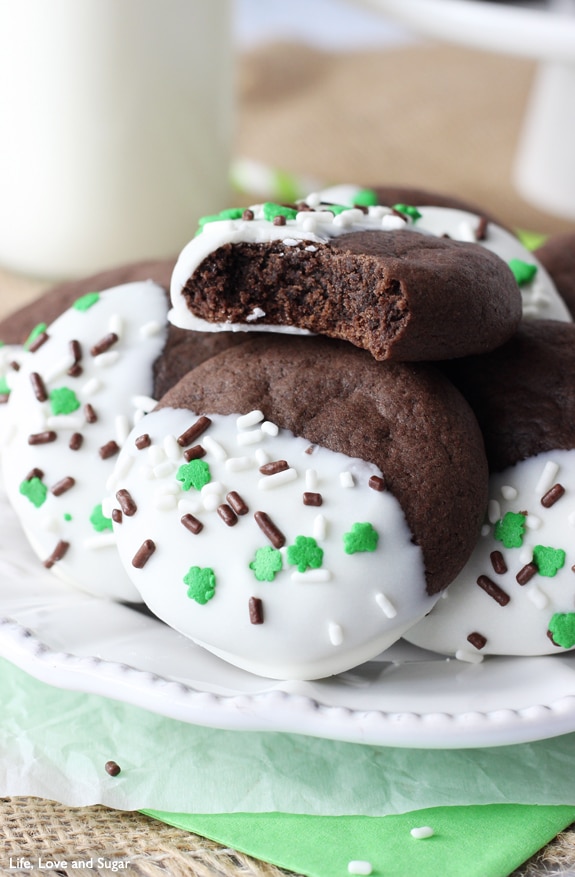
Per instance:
x=115, y=129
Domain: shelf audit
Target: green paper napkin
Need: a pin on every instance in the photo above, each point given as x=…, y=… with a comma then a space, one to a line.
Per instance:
x=482, y=841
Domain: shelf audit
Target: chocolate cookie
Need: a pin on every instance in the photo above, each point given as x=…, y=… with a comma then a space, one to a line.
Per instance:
x=300, y=503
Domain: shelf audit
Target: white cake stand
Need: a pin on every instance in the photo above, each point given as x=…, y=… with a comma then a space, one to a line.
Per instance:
x=544, y=170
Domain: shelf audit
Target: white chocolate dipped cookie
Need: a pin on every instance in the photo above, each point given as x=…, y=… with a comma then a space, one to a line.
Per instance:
x=81, y=384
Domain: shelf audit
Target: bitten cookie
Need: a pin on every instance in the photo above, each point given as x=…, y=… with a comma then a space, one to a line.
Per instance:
x=378, y=277
x=80, y=386
x=294, y=506
x=516, y=595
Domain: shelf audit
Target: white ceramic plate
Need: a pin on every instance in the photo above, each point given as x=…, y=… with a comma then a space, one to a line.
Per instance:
x=407, y=698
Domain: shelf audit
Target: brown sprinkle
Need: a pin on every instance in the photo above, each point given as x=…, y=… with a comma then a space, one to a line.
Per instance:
x=376, y=482
x=477, y=640
x=194, y=453
x=553, y=494
x=112, y=768
x=525, y=573
x=195, y=430
x=34, y=473
x=38, y=341
x=279, y=220
x=62, y=486
x=227, y=514
x=42, y=438
x=143, y=441
x=75, y=370
x=15, y=365
x=76, y=441
x=89, y=413
x=312, y=498
x=256, y=609
x=143, y=554
x=481, y=230
x=58, y=553
x=192, y=524
x=38, y=386
x=126, y=502
x=109, y=449
x=104, y=344
x=237, y=503
x=76, y=350
x=248, y=215
x=493, y=590
x=269, y=529
x=273, y=467
x=4, y=397
x=498, y=562
x=117, y=516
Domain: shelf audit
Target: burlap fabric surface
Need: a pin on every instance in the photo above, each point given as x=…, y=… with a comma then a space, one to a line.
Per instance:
x=428, y=115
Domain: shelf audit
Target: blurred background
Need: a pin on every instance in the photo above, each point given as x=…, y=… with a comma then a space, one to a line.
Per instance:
x=122, y=123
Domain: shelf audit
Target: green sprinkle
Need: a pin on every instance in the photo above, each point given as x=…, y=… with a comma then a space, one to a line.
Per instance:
x=271, y=210
x=35, y=490
x=266, y=563
x=510, y=530
x=524, y=272
x=366, y=198
x=548, y=560
x=37, y=330
x=194, y=474
x=63, y=401
x=67, y=516
x=286, y=186
x=406, y=209
x=562, y=629
x=99, y=521
x=362, y=537
x=201, y=582
x=85, y=302
x=531, y=240
x=228, y=213
x=336, y=209
x=305, y=553
x=4, y=388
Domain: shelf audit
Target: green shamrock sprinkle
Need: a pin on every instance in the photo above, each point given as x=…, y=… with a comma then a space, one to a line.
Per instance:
x=366, y=198
x=194, y=474
x=228, y=213
x=4, y=388
x=524, y=272
x=63, y=401
x=266, y=563
x=201, y=582
x=362, y=537
x=99, y=521
x=510, y=529
x=271, y=210
x=548, y=560
x=562, y=629
x=67, y=516
x=408, y=210
x=85, y=302
x=336, y=209
x=305, y=553
x=35, y=490
x=37, y=330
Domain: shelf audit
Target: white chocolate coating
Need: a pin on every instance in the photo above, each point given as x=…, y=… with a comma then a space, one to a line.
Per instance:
x=519, y=627
x=318, y=620
x=111, y=383
x=539, y=297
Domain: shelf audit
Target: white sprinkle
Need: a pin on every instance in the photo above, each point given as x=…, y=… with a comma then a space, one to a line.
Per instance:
x=190, y=505
x=532, y=522
x=146, y=403
x=256, y=314
x=156, y=454
x=239, y=464
x=277, y=479
x=547, y=477
x=250, y=437
x=90, y=387
x=508, y=492
x=122, y=428
x=493, y=511
x=165, y=501
x=390, y=222
x=50, y=523
x=163, y=469
x=106, y=359
x=8, y=433
x=313, y=199
x=245, y=421
x=311, y=249
x=348, y=217
x=173, y=487
x=214, y=448
x=66, y=421
x=148, y=330
x=335, y=633
x=270, y=428
x=290, y=242
x=468, y=656
x=311, y=575
x=571, y=519
x=116, y=325
x=211, y=501
x=319, y=527
x=215, y=487
x=57, y=369
x=526, y=554
x=138, y=414
x=108, y=505
x=310, y=223
x=102, y=540
x=358, y=866
x=146, y=472
x=261, y=456
x=537, y=597
x=172, y=449
x=466, y=232
x=423, y=831
x=121, y=469
x=346, y=479
x=485, y=530
x=310, y=479
x=385, y=605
